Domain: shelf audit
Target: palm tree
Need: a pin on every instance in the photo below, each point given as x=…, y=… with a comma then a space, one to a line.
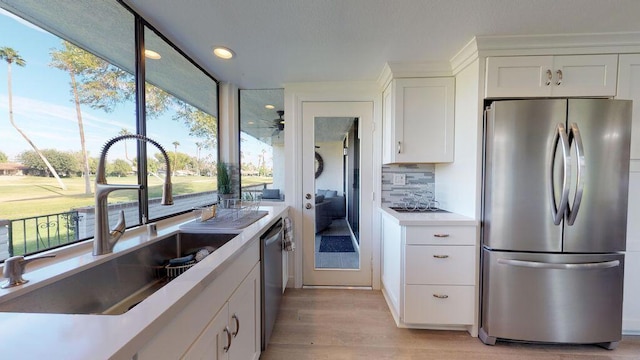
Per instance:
x=126, y=153
x=175, y=156
x=74, y=60
x=12, y=57
x=199, y=146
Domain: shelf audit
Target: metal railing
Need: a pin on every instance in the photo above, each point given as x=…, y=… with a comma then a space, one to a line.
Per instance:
x=37, y=233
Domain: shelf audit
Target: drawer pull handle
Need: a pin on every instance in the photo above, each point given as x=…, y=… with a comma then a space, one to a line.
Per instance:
x=440, y=235
x=440, y=256
x=439, y=296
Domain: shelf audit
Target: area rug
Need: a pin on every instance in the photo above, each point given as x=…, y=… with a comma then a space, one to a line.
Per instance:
x=341, y=243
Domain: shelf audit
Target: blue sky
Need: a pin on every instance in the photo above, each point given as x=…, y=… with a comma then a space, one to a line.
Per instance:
x=43, y=108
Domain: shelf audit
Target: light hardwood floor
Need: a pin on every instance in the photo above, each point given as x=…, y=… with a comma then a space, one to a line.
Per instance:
x=356, y=324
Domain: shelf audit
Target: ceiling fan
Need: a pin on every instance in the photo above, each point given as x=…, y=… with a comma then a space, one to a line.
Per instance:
x=278, y=124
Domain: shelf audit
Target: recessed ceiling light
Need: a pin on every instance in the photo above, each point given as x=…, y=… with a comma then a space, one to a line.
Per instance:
x=250, y=123
x=269, y=106
x=223, y=52
x=150, y=54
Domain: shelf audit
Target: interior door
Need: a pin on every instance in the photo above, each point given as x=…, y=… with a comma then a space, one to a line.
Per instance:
x=332, y=254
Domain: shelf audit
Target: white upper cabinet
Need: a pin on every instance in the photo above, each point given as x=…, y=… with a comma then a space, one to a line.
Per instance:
x=629, y=89
x=418, y=120
x=558, y=76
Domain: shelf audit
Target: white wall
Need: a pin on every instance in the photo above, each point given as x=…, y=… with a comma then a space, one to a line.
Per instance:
x=333, y=172
x=458, y=183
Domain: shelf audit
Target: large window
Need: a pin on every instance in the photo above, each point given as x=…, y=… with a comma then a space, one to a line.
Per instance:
x=181, y=113
x=262, y=126
x=70, y=86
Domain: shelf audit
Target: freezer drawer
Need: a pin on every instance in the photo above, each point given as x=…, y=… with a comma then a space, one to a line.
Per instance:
x=563, y=298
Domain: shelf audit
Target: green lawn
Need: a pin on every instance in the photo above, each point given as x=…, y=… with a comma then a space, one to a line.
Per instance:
x=29, y=196
x=26, y=196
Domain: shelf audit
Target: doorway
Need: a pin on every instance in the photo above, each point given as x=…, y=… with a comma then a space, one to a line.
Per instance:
x=334, y=251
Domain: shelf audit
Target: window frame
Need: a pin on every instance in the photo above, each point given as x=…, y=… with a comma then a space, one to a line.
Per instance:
x=139, y=27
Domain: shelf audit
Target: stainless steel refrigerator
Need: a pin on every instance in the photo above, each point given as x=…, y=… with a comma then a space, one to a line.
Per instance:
x=556, y=174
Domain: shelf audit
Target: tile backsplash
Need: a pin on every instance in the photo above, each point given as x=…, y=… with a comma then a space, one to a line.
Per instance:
x=420, y=178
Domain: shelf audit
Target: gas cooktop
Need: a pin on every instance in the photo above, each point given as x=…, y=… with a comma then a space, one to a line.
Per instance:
x=426, y=211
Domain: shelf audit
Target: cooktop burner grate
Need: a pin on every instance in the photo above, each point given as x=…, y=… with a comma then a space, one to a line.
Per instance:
x=427, y=211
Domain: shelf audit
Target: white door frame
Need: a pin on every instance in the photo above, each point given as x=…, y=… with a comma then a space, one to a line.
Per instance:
x=311, y=110
x=295, y=95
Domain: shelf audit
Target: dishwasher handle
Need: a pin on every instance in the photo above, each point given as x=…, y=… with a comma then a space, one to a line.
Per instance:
x=273, y=234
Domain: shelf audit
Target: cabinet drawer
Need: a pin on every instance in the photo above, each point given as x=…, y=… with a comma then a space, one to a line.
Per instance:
x=443, y=305
x=440, y=265
x=440, y=235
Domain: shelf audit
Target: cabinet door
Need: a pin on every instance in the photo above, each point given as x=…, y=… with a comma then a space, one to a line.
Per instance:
x=631, y=306
x=629, y=89
x=391, y=261
x=422, y=121
x=558, y=76
x=585, y=75
x=244, y=318
x=518, y=76
x=214, y=341
x=631, y=302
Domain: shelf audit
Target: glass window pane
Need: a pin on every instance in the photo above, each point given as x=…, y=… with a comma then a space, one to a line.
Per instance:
x=262, y=126
x=69, y=91
x=182, y=116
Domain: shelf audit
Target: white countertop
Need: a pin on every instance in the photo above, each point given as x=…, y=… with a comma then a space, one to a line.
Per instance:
x=65, y=336
x=427, y=218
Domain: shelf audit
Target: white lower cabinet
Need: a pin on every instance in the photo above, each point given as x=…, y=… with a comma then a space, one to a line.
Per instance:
x=234, y=333
x=631, y=304
x=222, y=322
x=429, y=275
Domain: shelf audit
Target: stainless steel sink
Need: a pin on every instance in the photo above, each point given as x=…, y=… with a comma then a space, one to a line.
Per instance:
x=116, y=286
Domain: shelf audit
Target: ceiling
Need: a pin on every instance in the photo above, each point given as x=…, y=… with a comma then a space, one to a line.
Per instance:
x=284, y=41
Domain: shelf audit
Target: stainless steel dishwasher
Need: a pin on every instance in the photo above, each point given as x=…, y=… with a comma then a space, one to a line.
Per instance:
x=271, y=276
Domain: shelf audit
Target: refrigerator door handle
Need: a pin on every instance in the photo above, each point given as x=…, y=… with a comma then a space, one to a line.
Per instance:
x=574, y=134
x=557, y=211
x=560, y=266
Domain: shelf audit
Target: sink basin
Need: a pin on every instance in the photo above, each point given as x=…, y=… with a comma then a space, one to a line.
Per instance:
x=116, y=286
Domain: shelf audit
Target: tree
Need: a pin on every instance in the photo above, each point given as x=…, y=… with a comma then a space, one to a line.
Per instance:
x=199, y=146
x=11, y=56
x=200, y=123
x=3, y=157
x=120, y=168
x=126, y=152
x=76, y=61
x=175, y=157
x=65, y=162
